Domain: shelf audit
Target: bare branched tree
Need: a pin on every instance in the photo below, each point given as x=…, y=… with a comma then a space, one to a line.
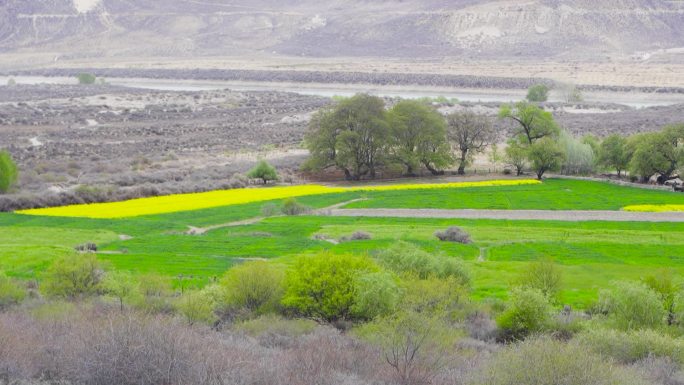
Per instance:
x=471, y=134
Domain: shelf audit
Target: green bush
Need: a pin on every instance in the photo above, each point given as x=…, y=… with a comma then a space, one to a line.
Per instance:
x=538, y=93
x=407, y=258
x=264, y=171
x=8, y=172
x=120, y=285
x=197, y=306
x=631, y=346
x=663, y=283
x=324, y=286
x=376, y=294
x=544, y=361
x=528, y=312
x=73, y=276
x=86, y=78
x=632, y=305
x=445, y=297
x=255, y=287
x=154, y=294
x=544, y=276
x=11, y=292
x=292, y=207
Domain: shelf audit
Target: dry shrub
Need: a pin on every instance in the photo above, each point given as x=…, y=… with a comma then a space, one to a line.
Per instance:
x=357, y=236
x=453, y=234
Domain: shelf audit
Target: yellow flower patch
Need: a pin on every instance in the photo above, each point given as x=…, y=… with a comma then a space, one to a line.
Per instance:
x=204, y=200
x=654, y=208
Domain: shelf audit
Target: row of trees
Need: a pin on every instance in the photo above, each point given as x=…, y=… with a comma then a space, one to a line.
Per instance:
x=359, y=136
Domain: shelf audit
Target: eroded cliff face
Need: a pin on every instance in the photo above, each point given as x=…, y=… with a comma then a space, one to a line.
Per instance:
x=577, y=29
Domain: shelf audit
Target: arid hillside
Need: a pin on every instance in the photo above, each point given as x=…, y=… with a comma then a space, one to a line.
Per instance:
x=577, y=30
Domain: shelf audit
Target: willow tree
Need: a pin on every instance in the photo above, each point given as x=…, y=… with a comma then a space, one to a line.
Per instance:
x=471, y=134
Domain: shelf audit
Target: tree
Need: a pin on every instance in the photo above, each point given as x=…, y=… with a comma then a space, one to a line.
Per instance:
x=11, y=82
x=516, y=155
x=579, y=156
x=545, y=155
x=471, y=133
x=120, y=285
x=633, y=305
x=256, y=287
x=660, y=153
x=264, y=171
x=72, y=276
x=419, y=137
x=324, y=286
x=86, y=78
x=534, y=123
x=353, y=136
x=613, y=153
x=8, y=172
x=538, y=93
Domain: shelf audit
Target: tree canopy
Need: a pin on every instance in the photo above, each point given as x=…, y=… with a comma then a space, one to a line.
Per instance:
x=471, y=134
x=8, y=172
x=533, y=122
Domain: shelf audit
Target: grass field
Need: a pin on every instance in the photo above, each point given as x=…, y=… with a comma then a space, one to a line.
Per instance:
x=592, y=254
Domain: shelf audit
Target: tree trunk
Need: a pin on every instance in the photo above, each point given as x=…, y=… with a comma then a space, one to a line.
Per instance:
x=462, y=165
x=433, y=170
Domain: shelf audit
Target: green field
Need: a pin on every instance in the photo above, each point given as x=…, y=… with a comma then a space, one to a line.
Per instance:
x=592, y=254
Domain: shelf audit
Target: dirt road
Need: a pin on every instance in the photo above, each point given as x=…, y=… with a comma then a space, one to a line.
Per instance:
x=550, y=215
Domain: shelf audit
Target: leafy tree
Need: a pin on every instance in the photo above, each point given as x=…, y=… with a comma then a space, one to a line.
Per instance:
x=8, y=172
x=86, y=78
x=664, y=284
x=324, y=286
x=579, y=156
x=353, y=136
x=197, y=306
x=538, y=93
x=256, y=287
x=72, y=276
x=120, y=285
x=264, y=171
x=534, y=123
x=11, y=293
x=516, y=156
x=614, y=153
x=546, y=155
x=633, y=305
x=471, y=133
x=376, y=294
x=529, y=312
x=660, y=153
x=419, y=137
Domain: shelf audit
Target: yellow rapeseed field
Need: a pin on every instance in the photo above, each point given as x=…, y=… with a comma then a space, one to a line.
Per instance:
x=654, y=208
x=196, y=201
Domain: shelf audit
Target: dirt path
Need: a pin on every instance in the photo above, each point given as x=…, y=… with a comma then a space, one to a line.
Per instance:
x=549, y=215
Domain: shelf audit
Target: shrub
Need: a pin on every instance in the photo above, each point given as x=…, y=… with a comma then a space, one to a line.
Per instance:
x=292, y=207
x=453, y=234
x=663, y=284
x=544, y=276
x=632, y=305
x=542, y=361
x=406, y=258
x=256, y=287
x=632, y=346
x=324, y=286
x=197, y=306
x=11, y=293
x=238, y=181
x=538, y=93
x=445, y=297
x=154, y=291
x=528, y=312
x=414, y=345
x=263, y=171
x=8, y=172
x=120, y=285
x=269, y=210
x=86, y=78
x=375, y=294
x=86, y=247
x=11, y=82
x=360, y=236
x=72, y=276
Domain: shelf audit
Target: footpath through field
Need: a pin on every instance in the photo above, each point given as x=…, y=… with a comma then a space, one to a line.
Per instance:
x=547, y=215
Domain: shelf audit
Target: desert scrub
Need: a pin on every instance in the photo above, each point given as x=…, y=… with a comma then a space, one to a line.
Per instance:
x=543, y=361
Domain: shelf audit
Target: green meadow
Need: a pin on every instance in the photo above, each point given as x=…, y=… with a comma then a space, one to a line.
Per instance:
x=591, y=254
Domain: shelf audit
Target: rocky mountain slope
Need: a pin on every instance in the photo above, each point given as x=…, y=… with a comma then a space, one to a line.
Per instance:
x=564, y=30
